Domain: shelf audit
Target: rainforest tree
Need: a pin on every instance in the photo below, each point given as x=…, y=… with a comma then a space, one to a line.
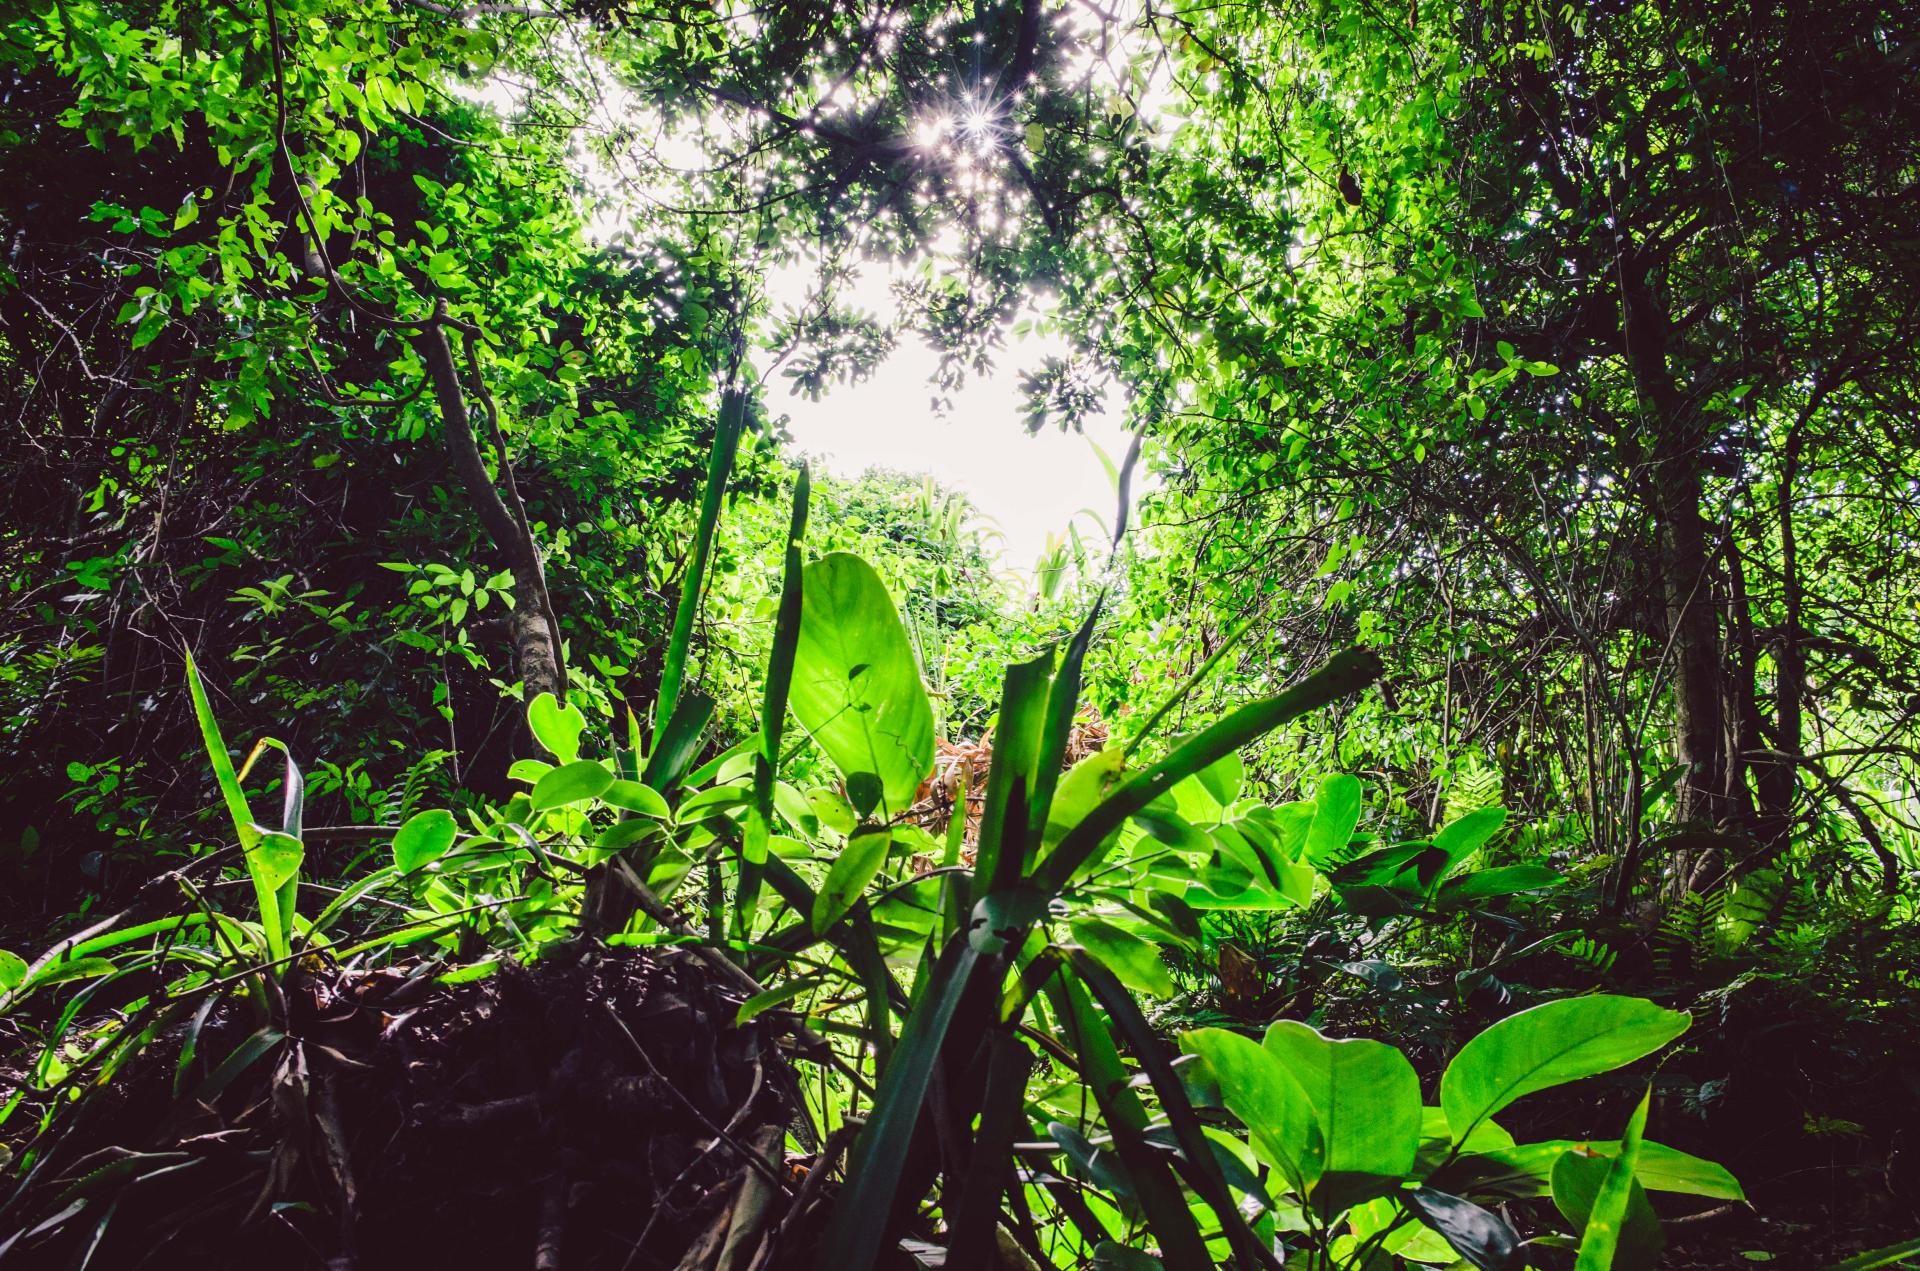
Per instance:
x=472, y=793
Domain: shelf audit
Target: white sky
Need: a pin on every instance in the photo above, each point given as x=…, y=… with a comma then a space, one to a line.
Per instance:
x=1026, y=487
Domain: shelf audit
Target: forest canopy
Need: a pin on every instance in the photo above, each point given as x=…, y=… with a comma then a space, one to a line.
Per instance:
x=442, y=706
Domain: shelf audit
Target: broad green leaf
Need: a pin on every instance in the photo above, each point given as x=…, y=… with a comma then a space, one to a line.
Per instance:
x=1549, y=1045
x=1223, y=778
x=1135, y=961
x=1505, y=880
x=833, y=811
x=1366, y=1097
x=13, y=969
x=1291, y=821
x=624, y=834
x=1257, y=1087
x=1436, y=1141
x=571, y=783
x=1660, y=1168
x=1668, y=1169
x=528, y=770
x=631, y=796
x=275, y=858
x=556, y=727
x=1412, y=1241
x=1336, y=813
x=852, y=870
x=423, y=839
x=1462, y=837
x=1345, y=673
x=856, y=688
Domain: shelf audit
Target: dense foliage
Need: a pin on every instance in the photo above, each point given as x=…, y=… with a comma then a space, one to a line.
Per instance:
x=1465, y=812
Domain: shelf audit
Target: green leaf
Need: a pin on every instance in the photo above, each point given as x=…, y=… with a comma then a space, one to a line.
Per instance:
x=1507, y=880
x=678, y=743
x=1257, y=1087
x=1223, y=778
x=556, y=727
x=1366, y=1097
x=13, y=969
x=222, y=762
x=72, y=969
x=1550, y=1045
x=1135, y=961
x=1660, y=1168
x=424, y=839
x=275, y=859
x=1602, y=1235
x=1345, y=673
x=1461, y=837
x=856, y=687
x=852, y=870
x=1336, y=814
x=874, y=1171
x=632, y=796
x=833, y=811
x=1668, y=1169
x=1083, y=786
x=1873, y=1259
x=571, y=783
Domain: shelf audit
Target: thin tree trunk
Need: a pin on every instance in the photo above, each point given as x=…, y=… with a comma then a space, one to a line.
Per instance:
x=536, y=641
x=1700, y=747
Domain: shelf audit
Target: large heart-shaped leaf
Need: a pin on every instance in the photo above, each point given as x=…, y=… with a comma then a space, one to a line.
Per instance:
x=1547, y=1046
x=556, y=727
x=1366, y=1097
x=856, y=688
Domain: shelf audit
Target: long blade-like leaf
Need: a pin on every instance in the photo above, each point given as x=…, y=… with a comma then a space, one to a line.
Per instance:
x=1602, y=1234
x=1016, y=743
x=875, y=1167
x=1344, y=674
x=773, y=712
x=1063, y=699
x=991, y=1166
x=726, y=440
x=1201, y=1172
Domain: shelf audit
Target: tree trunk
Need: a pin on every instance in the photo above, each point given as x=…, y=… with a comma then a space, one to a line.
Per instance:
x=536, y=640
x=1708, y=776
